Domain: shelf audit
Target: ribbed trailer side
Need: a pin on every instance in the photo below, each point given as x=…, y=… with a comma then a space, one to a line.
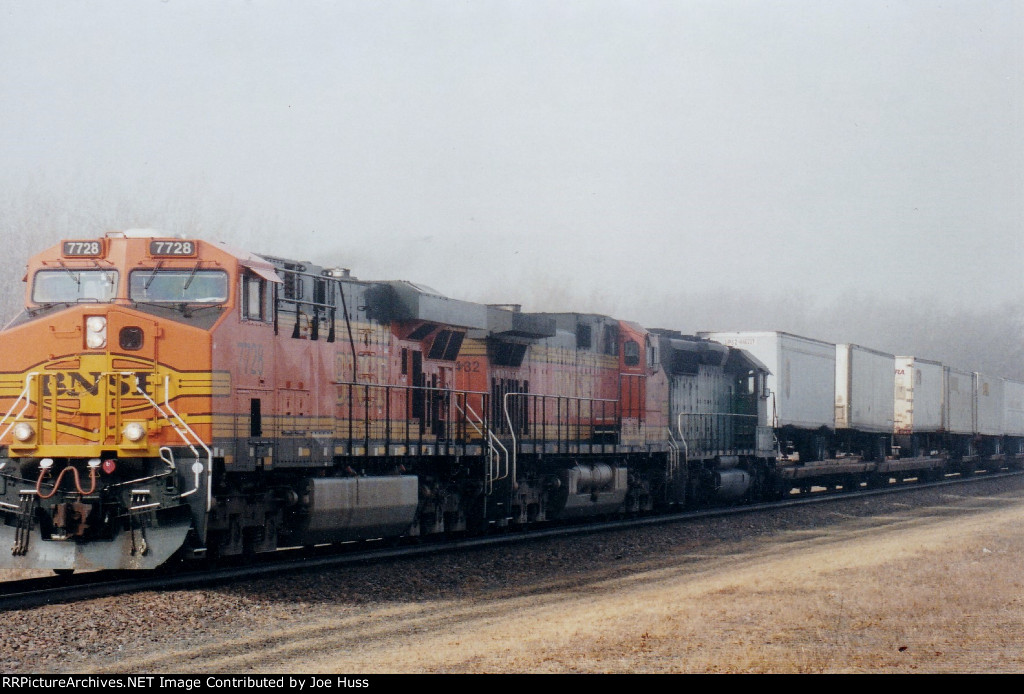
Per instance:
x=918, y=395
x=865, y=384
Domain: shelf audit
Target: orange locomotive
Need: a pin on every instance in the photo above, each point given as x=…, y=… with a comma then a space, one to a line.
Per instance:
x=172, y=397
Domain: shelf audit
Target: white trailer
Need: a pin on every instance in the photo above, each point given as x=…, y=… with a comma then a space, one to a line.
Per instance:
x=802, y=381
x=988, y=405
x=865, y=384
x=957, y=401
x=918, y=396
x=1013, y=408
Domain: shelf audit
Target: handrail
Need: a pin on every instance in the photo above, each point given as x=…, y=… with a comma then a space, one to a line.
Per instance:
x=673, y=455
x=511, y=426
x=728, y=416
x=28, y=401
x=714, y=414
x=493, y=444
x=209, y=454
x=181, y=433
x=355, y=389
x=393, y=386
x=459, y=402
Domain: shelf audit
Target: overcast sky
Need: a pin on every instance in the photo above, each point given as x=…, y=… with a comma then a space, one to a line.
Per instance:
x=538, y=151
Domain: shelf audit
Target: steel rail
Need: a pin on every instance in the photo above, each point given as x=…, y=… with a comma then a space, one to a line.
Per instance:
x=29, y=593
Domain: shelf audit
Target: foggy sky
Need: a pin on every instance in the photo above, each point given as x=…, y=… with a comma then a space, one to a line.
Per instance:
x=589, y=152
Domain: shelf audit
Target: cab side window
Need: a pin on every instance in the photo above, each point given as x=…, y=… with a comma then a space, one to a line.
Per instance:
x=631, y=353
x=254, y=298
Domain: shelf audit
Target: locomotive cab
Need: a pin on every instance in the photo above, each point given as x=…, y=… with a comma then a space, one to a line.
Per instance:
x=107, y=386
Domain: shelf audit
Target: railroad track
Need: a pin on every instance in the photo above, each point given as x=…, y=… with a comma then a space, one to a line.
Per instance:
x=28, y=593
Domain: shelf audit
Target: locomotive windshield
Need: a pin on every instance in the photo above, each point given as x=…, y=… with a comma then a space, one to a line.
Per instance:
x=177, y=286
x=71, y=286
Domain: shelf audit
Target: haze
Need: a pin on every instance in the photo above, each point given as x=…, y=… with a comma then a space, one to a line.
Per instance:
x=850, y=171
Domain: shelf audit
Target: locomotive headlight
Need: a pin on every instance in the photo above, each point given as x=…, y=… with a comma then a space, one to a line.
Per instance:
x=95, y=332
x=23, y=432
x=133, y=431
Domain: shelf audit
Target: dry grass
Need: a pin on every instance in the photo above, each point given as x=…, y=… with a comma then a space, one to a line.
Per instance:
x=915, y=595
x=921, y=589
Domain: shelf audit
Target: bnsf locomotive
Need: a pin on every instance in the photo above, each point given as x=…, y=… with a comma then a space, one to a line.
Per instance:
x=171, y=397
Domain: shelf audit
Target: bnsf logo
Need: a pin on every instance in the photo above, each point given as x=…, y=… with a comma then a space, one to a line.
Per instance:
x=74, y=384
